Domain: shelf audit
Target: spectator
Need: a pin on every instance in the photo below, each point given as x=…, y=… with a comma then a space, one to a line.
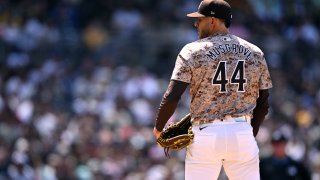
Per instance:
x=279, y=165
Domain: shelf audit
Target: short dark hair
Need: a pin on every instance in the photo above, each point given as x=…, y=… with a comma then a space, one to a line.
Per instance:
x=226, y=22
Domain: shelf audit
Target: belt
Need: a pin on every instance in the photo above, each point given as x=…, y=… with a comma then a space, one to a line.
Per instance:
x=225, y=119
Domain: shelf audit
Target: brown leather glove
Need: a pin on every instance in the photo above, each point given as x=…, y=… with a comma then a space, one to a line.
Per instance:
x=176, y=136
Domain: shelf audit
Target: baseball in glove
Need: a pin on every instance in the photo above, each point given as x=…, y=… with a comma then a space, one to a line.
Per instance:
x=177, y=135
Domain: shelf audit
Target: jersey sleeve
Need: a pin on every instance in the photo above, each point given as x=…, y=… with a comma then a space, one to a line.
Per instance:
x=265, y=79
x=182, y=69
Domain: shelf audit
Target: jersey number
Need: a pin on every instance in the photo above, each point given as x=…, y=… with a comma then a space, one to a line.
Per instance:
x=220, y=76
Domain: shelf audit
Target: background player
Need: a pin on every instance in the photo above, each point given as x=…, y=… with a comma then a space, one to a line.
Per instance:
x=279, y=165
x=229, y=82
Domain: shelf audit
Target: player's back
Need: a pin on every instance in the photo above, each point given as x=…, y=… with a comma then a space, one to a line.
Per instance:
x=226, y=72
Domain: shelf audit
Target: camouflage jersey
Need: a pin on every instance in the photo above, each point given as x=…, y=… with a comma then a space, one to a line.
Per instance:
x=225, y=74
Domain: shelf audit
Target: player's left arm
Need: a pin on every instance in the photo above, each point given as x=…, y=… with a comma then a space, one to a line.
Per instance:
x=180, y=80
x=169, y=104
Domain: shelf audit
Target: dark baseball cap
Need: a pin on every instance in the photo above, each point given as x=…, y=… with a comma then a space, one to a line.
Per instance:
x=213, y=8
x=278, y=136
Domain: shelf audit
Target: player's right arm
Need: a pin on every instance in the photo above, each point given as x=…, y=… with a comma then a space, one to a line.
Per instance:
x=260, y=111
x=262, y=104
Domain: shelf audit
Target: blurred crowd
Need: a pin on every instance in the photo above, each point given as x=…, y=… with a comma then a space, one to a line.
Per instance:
x=81, y=81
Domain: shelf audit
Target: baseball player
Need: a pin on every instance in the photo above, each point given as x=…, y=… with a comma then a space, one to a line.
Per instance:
x=229, y=82
x=279, y=165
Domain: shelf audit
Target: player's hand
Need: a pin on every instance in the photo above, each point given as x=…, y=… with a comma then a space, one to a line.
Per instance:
x=156, y=133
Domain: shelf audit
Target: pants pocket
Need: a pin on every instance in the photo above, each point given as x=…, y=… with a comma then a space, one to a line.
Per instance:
x=201, y=150
x=247, y=144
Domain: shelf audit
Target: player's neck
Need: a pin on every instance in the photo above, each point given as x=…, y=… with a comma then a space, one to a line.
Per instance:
x=220, y=30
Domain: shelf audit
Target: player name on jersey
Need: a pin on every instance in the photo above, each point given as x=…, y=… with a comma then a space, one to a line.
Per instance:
x=229, y=48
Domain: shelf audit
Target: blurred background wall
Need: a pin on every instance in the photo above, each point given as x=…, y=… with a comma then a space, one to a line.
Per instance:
x=81, y=80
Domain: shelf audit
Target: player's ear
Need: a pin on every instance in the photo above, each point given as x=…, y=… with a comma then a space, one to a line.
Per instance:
x=213, y=21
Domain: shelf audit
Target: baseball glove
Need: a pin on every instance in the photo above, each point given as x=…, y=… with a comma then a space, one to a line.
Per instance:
x=177, y=135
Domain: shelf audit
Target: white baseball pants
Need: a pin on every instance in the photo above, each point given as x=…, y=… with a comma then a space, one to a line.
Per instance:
x=227, y=144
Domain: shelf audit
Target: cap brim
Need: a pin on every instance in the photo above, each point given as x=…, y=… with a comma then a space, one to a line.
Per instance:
x=195, y=14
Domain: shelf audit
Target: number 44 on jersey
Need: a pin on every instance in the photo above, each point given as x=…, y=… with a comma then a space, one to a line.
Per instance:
x=237, y=77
